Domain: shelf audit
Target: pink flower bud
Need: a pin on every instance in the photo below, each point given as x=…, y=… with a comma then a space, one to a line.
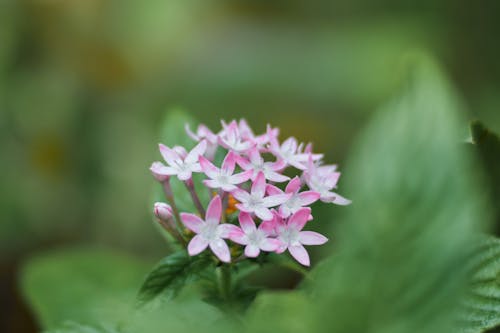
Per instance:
x=163, y=211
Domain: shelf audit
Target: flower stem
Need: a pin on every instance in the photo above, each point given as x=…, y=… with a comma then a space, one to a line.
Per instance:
x=224, y=274
x=167, y=189
x=196, y=200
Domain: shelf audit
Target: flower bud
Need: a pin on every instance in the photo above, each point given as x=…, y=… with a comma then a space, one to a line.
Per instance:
x=163, y=211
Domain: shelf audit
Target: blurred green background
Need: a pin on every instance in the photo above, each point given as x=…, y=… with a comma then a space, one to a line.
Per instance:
x=84, y=85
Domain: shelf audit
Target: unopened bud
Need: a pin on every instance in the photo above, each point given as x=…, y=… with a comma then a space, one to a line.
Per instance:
x=163, y=211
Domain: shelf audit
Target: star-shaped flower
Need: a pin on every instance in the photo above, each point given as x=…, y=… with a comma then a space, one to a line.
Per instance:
x=231, y=138
x=293, y=239
x=255, y=239
x=180, y=163
x=297, y=199
x=257, y=164
x=223, y=178
x=209, y=233
x=323, y=179
x=291, y=152
x=256, y=201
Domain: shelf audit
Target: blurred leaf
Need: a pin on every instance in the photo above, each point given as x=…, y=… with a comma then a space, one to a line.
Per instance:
x=488, y=146
x=481, y=308
x=416, y=203
x=170, y=275
x=73, y=327
x=84, y=285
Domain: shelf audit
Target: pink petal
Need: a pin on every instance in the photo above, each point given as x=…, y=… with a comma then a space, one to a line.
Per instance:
x=168, y=154
x=300, y=254
x=211, y=183
x=246, y=222
x=229, y=163
x=276, y=200
x=192, y=222
x=208, y=168
x=161, y=172
x=273, y=190
x=238, y=236
x=252, y=251
x=241, y=195
x=268, y=227
x=308, y=197
x=278, y=165
x=241, y=177
x=243, y=162
x=276, y=177
x=299, y=219
x=264, y=214
x=270, y=244
x=198, y=150
x=190, y=133
x=226, y=229
x=197, y=245
x=312, y=238
x=340, y=200
x=259, y=185
x=228, y=187
x=220, y=249
x=214, y=210
x=254, y=156
x=294, y=185
x=244, y=208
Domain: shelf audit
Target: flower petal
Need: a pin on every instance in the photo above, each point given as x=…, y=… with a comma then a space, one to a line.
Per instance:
x=246, y=222
x=308, y=197
x=252, y=251
x=273, y=190
x=226, y=229
x=197, y=245
x=264, y=213
x=241, y=177
x=185, y=175
x=268, y=227
x=270, y=244
x=197, y=151
x=276, y=200
x=312, y=238
x=192, y=222
x=214, y=210
x=208, y=168
x=299, y=219
x=229, y=163
x=276, y=177
x=212, y=183
x=220, y=249
x=259, y=185
x=241, y=195
x=239, y=237
x=294, y=185
x=340, y=200
x=300, y=254
x=168, y=154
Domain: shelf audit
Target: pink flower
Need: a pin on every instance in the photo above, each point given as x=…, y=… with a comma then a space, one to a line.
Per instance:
x=257, y=164
x=259, y=140
x=255, y=239
x=291, y=152
x=223, y=178
x=256, y=201
x=297, y=199
x=323, y=179
x=180, y=163
x=209, y=233
x=293, y=239
x=204, y=133
x=231, y=138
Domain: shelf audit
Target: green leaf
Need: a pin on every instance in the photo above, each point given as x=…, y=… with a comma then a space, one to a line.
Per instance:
x=170, y=275
x=481, y=308
x=81, y=284
x=488, y=147
x=416, y=202
x=73, y=327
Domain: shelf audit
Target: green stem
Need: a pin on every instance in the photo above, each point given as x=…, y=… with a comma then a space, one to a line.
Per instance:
x=224, y=273
x=167, y=189
x=196, y=200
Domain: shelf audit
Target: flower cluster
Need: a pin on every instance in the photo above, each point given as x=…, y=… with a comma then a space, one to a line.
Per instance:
x=262, y=190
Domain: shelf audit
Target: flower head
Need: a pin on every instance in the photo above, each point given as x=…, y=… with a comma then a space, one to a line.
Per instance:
x=209, y=233
x=256, y=201
x=223, y=178
x=293, y=239
x=256, y=163
x=179, y=162
x=255, y=239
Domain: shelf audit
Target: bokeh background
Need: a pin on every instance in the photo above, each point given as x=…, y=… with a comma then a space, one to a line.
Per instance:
x=84, y=85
